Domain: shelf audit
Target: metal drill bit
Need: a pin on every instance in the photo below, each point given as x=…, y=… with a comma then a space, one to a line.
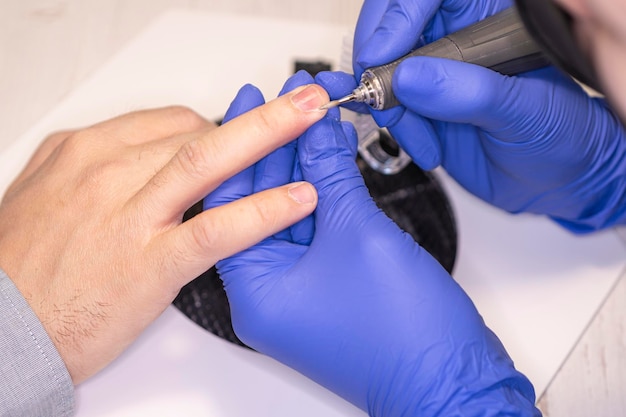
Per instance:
x=339, y=102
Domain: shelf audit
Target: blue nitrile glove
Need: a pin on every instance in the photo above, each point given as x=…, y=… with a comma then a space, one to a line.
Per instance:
x=355, y=304
x=534, y=143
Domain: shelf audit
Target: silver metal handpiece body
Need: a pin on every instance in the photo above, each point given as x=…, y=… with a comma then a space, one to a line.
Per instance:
x=499, y=42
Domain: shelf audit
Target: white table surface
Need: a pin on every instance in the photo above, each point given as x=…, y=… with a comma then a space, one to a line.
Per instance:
x=48, y=47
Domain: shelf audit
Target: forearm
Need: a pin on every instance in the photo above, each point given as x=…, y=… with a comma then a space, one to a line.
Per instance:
x=33, y=378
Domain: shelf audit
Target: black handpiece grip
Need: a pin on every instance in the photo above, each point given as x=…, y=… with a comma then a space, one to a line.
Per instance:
x=499, y=42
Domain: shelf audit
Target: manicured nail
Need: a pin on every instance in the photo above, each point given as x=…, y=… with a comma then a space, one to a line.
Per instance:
x=302, y=193
x=309, y=99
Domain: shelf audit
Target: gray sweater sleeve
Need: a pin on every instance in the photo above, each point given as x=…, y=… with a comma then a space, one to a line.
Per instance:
x=33, y=378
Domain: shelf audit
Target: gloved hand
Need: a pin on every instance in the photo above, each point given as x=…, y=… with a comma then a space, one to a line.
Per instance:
x=354, y=303
x=534, y=142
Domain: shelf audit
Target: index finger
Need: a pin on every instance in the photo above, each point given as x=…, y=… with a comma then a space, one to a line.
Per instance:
x=203, y=163
x=387, y=30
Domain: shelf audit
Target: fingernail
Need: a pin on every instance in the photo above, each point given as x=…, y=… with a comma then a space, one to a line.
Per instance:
x=309, y=99
x=302, y=193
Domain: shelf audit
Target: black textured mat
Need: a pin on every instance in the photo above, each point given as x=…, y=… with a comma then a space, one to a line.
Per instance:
x=412, y=198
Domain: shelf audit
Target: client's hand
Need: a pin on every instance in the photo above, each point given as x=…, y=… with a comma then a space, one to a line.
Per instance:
x=91, y=232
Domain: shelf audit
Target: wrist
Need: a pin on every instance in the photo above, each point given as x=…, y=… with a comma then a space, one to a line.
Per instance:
x=37, y=381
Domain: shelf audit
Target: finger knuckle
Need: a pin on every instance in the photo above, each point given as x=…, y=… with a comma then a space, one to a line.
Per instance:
x=206, y=236
x=264, y=123
x=264, y=212
x=57, y=137
x=75, y=145
x=194, y=159
x=185, y=117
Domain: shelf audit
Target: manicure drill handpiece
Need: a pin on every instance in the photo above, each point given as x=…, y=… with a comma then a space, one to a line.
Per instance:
x=499, y=42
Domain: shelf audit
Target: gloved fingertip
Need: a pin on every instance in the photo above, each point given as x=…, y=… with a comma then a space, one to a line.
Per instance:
x=383, y=46
x=428, y=160
x=298, y=79
x=367, y=54
x=248, y=88
x=336, y=78
x=336, y=83
x=248, y=97
x=360, y=64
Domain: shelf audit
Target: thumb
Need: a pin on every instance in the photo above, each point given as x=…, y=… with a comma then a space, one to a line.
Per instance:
x=389, y=29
